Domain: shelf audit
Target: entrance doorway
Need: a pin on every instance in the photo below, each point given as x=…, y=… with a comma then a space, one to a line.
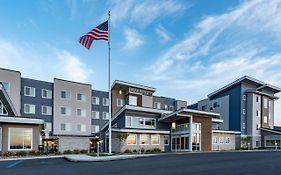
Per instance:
x=180, y=143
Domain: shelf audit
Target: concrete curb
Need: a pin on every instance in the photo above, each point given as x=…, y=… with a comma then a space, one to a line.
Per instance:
x=33, y=157
x=86, y=158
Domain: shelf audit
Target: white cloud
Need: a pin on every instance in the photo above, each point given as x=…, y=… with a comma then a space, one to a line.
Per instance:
x=72, y=68
x=144, y=12
x=221, y=48
x=162, y=33
x=44, y=65
x=133, y=39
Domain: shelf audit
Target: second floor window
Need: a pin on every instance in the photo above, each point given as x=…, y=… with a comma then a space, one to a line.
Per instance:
x=81, y=112
x=65, y=111
x=171, y=108
x=95, y=115
x=81, y=97
x=120, y=102
x=29, y=109
x=46, y=110
x=157, y=105
x=29, y=91
x=105, y=115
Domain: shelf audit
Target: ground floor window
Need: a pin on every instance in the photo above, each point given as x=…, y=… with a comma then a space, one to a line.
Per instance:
x=132, y=139
x=196, y=141
x=166, y=140
x=155, y=139
x=144, y=139
x=20, y=138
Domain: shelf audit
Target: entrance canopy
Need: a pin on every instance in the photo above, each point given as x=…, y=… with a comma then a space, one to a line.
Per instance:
x=183, y=113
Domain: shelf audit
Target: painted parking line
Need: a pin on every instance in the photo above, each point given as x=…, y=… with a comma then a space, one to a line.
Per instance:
x=15, y=164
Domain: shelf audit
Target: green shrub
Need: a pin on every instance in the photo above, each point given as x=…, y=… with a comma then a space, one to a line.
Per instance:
x=157, y=150
x=32, y=153
x=83, y=151
x=67, y=152
x=148, y=151
x=76, y=151
x=21, y=153
x=8, y=154
x=58, y=153
x=142, y=150
x=127, y=151
x=135, y=151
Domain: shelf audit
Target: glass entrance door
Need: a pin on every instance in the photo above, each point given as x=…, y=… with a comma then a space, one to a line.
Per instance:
x=180, y=143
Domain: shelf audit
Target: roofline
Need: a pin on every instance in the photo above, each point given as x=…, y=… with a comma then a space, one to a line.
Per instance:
x=8, y=99
x=262, y=93
x=269, y=130
x=1, y=68
x=133, y=85
x=191, y=111
x=239, y=81
x=72, y=82
x=21, y=120
x=224, y=131
x=37, y=80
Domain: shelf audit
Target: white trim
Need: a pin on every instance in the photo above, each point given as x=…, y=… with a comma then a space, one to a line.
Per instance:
x=9, y=133
x=24, y=90
x=132, y=85
x=24, y=108
x=226, y=132
x=50, y=107
x=141, y=131
x=216, y=120
x=48, y=90
x=21, y=120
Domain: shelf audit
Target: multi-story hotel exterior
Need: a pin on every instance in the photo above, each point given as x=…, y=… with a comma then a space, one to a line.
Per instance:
x=65, y=115
x=246, y=105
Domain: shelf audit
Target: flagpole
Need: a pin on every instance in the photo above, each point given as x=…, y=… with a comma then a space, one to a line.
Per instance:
x=109, y=87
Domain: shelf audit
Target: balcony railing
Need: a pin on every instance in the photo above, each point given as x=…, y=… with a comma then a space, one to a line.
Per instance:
x=181, y=128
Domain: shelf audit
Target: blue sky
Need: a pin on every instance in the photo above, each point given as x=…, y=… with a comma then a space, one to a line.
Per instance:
x=185, y=49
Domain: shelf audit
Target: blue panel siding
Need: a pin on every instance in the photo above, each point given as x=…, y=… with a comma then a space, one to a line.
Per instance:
x=234, y=106
x=37, y=100
x=100, y=107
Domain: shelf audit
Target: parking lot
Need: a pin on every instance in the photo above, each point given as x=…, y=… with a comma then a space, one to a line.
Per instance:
x=258, y=163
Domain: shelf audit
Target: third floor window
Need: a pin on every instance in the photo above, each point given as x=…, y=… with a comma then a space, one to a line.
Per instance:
x=81, y=97
x=96, y=100
x=65, y=95
x=29, y=91
x=105, y=101
x=46, y=93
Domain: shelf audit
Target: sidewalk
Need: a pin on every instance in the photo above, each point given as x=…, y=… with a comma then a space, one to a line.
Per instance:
x=86, y=158
x=32, y=157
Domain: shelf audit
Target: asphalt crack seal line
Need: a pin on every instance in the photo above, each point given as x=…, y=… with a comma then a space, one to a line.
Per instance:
x=15, y=164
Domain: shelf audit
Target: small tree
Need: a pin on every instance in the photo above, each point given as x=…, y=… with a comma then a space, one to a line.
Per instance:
x=245, y=141
x=122, y=137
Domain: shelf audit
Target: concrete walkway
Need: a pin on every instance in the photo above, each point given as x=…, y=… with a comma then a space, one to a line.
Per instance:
x=86, y=158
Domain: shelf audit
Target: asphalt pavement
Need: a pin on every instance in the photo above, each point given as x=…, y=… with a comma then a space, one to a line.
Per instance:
x=223, y=163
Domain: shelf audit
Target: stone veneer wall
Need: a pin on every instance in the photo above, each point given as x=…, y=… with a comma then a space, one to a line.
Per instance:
x=72, y=143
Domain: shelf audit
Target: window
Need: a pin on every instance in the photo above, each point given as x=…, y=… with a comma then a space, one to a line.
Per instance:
x=157, y=105
x=81, y=128
x=244, y=97
x=216, y=105
x=265, y=105
x=95, y=128
x=3, y=110
x=46, y=93
x=81, y=112
x=155, y=139
x=258, y=113
x=65, y=127
x=221, y=139
x=204, y=108
x=269, y=116
x=143, y=139
x=132, y=139
x=105, y=101
x=65, y=111
x=20, y=138
x=140, y=122
x=29, y=109
x=227, y=140
x=48, y=126
x=95, y=115
x=265, y=119
x=196, y=127
x=258, y=126
x=46, y=110
x=171, y=108
x=133, y=100
x=81, y=97
x=96, y=100
x=215, y=139
x=244, y=111
x=166, y=107
x=257, y=99
x=244, y=125
x=105, y=115
x=29, y=91
x=120, y=102
x=65, y=95
x=6, y=86
x=166, y=140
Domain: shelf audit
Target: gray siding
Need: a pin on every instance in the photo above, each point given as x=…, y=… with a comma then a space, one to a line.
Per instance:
x=38, y=101
x=100, y=108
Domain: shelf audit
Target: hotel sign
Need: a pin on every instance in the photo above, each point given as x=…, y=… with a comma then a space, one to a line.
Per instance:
x=140, y=91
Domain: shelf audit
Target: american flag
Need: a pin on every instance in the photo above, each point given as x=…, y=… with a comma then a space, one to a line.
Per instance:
x=98, y=33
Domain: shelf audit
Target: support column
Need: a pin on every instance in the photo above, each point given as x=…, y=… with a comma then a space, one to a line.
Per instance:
x=190, y=133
